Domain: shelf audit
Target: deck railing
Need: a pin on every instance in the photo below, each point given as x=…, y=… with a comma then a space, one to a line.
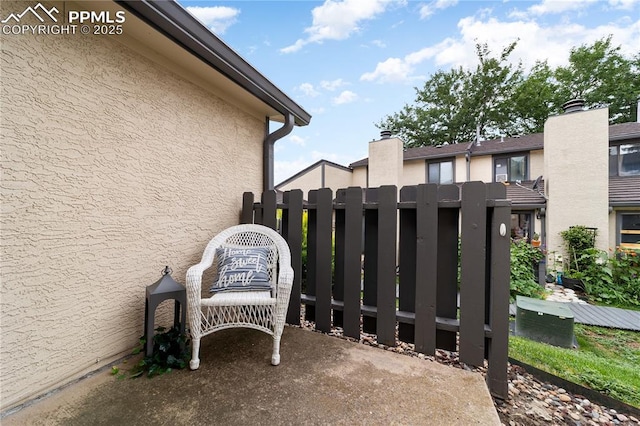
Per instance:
x=433, y=266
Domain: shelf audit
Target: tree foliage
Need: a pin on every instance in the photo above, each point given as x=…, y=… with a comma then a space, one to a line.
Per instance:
x=498, y=99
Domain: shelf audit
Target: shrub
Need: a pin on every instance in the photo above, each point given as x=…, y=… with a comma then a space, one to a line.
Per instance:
x=523, y=259
x=578, y=240
x=614, y=279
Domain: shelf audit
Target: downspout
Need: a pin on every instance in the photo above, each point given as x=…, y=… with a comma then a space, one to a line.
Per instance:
x=269, y=142
x=467, y=156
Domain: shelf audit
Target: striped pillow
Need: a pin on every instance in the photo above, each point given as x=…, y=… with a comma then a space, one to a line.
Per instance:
x=241, y=269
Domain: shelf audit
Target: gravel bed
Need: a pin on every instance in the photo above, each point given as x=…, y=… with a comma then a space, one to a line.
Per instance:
x=531, y=402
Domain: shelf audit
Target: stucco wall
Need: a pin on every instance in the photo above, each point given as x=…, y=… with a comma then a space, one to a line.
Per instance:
x=336, y=178
x=536, y=164
x=112, y=167
x=414, y=172
x=482, y=168
x=306, y=182
x=359, y=177
x=576, y=174
x=385, y=162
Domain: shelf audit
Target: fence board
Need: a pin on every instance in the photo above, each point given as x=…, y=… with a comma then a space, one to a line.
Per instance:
x=292, y=232
x=472, y=272
x=324, y=252
x=500, y=262
x=426, y=268
x=247, y=208
x=386, y=271
x=352, y=262
x=269, y=209
x=407, y=260
x=447, y=291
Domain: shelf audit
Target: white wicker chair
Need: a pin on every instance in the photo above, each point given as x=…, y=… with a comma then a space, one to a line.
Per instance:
x=260, y=310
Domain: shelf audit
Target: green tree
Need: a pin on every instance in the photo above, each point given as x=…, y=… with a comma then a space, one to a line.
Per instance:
x=601, y=76
x=497, y=98
x=453, y=105
x=533, y=101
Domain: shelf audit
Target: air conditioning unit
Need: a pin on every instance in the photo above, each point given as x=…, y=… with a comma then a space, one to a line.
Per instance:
x=544, y=321
x=501, y=177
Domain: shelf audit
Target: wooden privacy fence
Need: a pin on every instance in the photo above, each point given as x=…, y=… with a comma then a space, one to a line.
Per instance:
x=395, y=265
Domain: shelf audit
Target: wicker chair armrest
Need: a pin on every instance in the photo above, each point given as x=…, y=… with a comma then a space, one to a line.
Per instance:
x=284, y=285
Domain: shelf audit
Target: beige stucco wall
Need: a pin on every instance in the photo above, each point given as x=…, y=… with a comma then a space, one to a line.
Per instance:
x=306, y=182
x=385, y=162
x=336, y=178
x=359, y=177
x=460, y=169
x=414, y=172
x=536, y=164
x=112, y=167
x=576, y=172
x=482, y=168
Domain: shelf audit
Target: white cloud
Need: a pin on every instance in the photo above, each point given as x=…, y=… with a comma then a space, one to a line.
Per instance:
x=535, y=42
x=548, y=7
x=429, y=9
x=308, y=89
x=379, y=43
x=338, y=20
x=345, y=97
x=623, y=4
x=333, y=84
x=216, y=18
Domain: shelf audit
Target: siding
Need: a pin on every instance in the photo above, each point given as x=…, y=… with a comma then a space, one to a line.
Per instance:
x=112, y=167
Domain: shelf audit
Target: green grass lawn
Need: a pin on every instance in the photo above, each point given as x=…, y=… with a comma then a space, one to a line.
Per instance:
x=607, y=360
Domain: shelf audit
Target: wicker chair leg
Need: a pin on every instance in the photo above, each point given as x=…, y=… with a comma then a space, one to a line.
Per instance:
x=194, y=364
x=275, y=358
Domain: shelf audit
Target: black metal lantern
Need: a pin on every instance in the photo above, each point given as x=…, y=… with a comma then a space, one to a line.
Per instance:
x=165, y=288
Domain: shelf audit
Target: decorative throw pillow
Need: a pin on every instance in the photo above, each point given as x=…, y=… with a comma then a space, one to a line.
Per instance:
x=241, y=268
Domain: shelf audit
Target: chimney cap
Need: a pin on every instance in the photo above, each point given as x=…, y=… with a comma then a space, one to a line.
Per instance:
x=385, y=134
x=573, y=105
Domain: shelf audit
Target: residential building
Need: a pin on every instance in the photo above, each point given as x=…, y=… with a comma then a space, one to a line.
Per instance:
x=580, y=171
x=120, y=154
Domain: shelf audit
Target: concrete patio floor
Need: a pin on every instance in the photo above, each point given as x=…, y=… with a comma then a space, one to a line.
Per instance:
x=321, y=380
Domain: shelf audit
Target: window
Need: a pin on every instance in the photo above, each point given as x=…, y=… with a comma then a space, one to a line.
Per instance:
x=629, y=230
x=624, y=160
x=510, y=169
x=440, y=172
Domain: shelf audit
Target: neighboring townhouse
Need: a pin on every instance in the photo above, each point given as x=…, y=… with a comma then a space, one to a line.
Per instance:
x=120, y=154
x=580, y=171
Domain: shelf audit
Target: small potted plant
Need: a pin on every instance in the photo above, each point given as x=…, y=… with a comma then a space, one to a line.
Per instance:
x=535, y=241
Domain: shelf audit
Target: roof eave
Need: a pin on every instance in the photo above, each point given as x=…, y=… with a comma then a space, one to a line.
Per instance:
x=169, y=18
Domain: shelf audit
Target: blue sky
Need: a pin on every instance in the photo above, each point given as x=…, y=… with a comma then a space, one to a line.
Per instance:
x=352, y=62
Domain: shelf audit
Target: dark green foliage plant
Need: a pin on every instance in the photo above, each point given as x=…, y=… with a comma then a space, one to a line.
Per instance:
x=170, y=350
x=523, y=259
x=578, y=241
x=612, y=279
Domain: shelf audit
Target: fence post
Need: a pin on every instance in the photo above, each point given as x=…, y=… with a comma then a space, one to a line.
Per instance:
x=500, y=265
x=292, y=232
x=246, y=216
x=386, y=264
x=269, y=207
x=426, y=268
x=353, y=261
x=323, y=252
x=473, y=272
